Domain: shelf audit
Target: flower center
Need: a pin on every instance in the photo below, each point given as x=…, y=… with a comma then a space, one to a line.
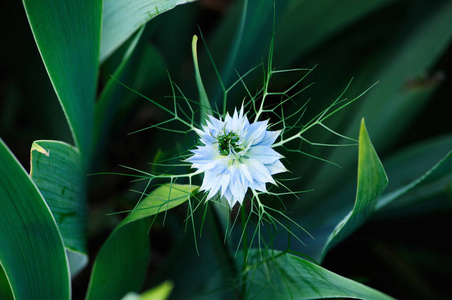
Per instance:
x=227, y=142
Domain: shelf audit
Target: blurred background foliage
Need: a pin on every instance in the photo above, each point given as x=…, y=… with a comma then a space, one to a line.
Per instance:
x=404, y=45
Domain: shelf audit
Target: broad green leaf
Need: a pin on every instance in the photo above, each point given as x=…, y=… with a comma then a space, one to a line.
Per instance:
x=285, y=276
x=372, y=180
x=57, y=171
x=67, y=34
x=122, y=18
x=121, y=264
x=32, y=253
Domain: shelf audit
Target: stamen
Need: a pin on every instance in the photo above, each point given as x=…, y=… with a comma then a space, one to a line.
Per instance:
x=227, y=142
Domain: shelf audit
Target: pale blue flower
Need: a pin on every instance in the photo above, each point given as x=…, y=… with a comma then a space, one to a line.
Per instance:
x=235, y=156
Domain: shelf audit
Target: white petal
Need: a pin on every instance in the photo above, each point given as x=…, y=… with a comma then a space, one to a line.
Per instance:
x=211, y=184
x=231, y=200
x=258, y=171
x=228, y=122
x=225, y=181
x=269, y=138
x=264, y=154
x=276, y=167
x=258, y=186
x=200, y=132
x=232, y=175
x=215, y=123
x=245, y=172
x=255, y=133
x=236, y=186
x=208, y=139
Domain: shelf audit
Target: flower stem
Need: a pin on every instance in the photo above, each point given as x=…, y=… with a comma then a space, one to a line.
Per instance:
x=245, y=248
x=221, y=248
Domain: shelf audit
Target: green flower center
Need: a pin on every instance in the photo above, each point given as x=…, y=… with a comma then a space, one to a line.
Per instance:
x=227, y=142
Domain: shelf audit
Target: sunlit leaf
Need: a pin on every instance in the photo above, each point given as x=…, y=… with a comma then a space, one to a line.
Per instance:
x=32, y=253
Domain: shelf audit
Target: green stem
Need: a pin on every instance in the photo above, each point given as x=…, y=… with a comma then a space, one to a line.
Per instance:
x=221, y=248
x=245, y=248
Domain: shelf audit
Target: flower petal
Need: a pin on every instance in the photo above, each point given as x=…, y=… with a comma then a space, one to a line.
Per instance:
x=255, y=133
x=250, y=162
x=231, y=200
x=236, y=186
x=269, y=138
x=264, y=154
x=276, y=167
x=258, y=186
x=258, y=171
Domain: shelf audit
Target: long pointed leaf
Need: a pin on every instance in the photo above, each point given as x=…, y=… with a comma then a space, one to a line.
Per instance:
x=122, y=18
x=372, y=180
x=67, y=34
x=203, y=99
x=31, y=253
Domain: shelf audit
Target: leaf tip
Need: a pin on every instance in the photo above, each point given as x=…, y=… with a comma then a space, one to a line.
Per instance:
x=37, y=147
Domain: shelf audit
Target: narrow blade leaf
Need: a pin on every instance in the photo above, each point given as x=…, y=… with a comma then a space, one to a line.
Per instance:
x=372, y=180
x=67, y=34
x=32, y=253
x=203, y=99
